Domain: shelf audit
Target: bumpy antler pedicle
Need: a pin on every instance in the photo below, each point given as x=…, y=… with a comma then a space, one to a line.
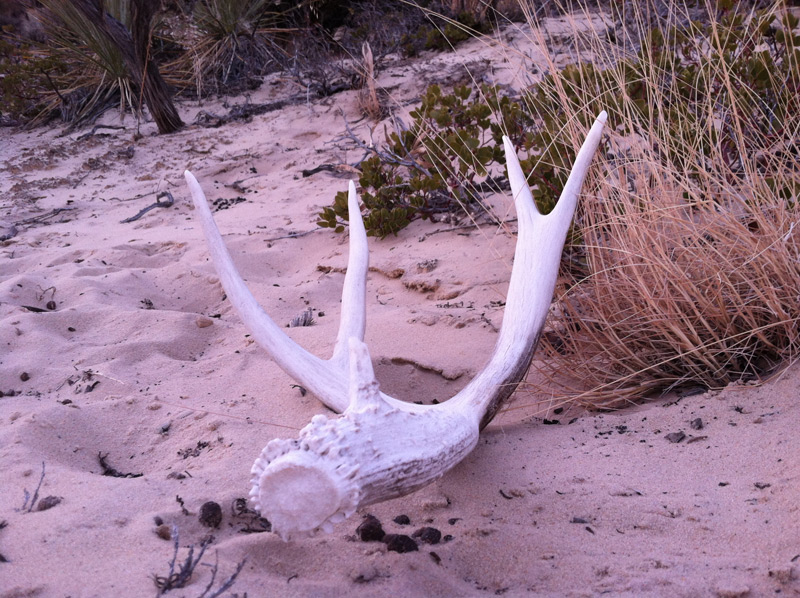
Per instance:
x=339, y=464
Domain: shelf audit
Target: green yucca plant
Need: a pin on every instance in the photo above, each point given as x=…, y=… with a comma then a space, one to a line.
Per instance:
x=229, y=47
x=96, y=75
x=89, y=62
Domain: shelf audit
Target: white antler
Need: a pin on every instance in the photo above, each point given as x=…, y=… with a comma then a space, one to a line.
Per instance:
x=338, y=464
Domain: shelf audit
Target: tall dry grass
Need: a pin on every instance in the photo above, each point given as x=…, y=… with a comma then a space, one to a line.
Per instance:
x=689, y=271
x=369, y=97
x=229, y=46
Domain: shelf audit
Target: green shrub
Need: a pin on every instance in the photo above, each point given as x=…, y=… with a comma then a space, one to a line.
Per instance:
x=444, y=33
x=438, y=164
x=228, y=47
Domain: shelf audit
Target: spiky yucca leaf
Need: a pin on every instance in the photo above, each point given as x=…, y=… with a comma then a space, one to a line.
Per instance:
x=96, y=76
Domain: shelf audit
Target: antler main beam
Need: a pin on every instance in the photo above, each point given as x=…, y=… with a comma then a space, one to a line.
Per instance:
x=339, y=464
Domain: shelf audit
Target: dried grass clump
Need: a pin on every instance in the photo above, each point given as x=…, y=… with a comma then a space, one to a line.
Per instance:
x=371, y=100
x=230, y=45
x=688, y=269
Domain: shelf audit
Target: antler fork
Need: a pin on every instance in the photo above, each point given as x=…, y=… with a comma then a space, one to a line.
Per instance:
x=339, y=464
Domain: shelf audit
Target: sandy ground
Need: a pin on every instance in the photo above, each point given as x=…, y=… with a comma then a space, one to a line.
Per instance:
x=140, y=359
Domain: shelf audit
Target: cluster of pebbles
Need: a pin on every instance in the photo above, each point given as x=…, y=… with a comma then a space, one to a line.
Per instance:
x=371, y=530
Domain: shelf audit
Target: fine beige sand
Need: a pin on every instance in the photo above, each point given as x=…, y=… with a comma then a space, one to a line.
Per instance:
x=132, y=353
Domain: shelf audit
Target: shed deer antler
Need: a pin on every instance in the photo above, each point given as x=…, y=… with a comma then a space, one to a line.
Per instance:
x=339, y=464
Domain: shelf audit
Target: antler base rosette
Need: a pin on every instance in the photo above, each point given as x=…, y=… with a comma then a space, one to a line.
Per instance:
x=339, y=464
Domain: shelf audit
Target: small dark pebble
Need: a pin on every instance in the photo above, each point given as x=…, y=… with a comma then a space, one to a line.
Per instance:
x=447, y=538
x=696, y=439
x=558, y=410
x=24, y=376
x=723, y=484
x=428, y=535
x=48, y=502
x=578, y=520
x=157, y=520
x=400, y=543
x=550, y=422
x=675, y=437
x=697, y=424
x=211, y=514
x=10, y=393
x=454, y=520
x=762, y=485
x=66, y=402
x=164, y=532
x=436, y=558
x=51, y=305
x=370, y=530
x=70, y=328
x=402, y=520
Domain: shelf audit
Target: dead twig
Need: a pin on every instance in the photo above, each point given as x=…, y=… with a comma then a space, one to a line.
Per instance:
x=245, y=112
x=460, y=227
x=178, y=579
x=158, y=204
x=292, y=235
x=42, y=217
x=29, y=507
x=95, y=129
x=226, y=585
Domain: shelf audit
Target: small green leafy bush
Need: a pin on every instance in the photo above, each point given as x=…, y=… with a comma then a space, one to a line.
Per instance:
x=444, y=33
x=436, y=165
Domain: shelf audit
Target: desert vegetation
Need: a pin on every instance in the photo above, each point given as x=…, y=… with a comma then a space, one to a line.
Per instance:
x=688, y=256
x=66, y=60
x=682, y=267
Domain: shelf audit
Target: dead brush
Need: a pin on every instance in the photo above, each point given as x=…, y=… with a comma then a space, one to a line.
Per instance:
x=690, y=257
x=230, y=46
x=371, y=101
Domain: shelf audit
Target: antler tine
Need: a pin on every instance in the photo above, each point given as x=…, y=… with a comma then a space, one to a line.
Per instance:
x=327, y=380
x=337, y=465
x=354, y=293
x=540, y=240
